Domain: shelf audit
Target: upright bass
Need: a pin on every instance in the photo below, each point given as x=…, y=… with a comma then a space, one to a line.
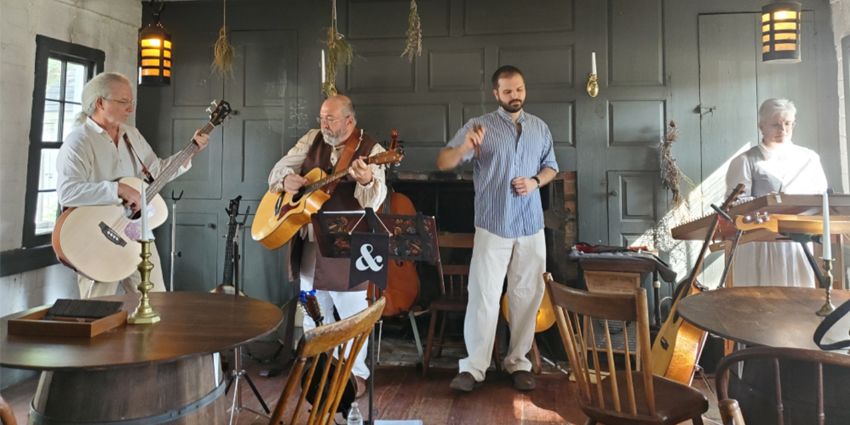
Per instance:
x=402, y=277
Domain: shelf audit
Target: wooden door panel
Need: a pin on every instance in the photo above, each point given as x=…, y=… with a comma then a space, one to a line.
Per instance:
x=635, y=202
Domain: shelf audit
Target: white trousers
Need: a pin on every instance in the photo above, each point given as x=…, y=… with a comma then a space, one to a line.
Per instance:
x=523, y=260
x=92, y=289
x=347, y=304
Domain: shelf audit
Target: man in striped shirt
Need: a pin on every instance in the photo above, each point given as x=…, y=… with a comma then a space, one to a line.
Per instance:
x=512, y=157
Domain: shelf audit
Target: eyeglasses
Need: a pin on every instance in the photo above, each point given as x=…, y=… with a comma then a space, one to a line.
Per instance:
x=124, y=102
x=330, y=120
x=784, y=125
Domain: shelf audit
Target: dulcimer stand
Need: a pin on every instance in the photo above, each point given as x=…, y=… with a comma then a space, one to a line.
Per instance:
x=364, y=237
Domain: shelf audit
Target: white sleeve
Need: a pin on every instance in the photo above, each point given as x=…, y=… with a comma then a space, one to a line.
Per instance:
x=74, y=165
x=739, y=172
x=291, y=162
x=373, y=194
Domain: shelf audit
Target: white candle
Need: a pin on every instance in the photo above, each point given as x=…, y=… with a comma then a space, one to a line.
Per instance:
x=323, y=66
x=827, y=240
x=144, y=213
x=593, y=63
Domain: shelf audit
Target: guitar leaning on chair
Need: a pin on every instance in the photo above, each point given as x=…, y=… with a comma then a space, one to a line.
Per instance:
x=281, y=215
x=678, y=345
x=99, y=241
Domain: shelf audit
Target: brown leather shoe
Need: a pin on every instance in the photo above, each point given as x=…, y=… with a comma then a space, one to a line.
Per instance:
x=361, y=386
x=523, y=380
x=465, y=382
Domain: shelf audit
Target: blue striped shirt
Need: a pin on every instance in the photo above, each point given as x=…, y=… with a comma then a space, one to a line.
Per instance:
x=505, y=154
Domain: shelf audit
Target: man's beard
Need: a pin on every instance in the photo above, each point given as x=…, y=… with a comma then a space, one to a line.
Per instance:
x=509, y=107
x=331, y=138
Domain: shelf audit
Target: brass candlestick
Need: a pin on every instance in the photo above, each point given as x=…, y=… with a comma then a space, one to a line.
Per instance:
x=827, y=306
x=592, y=87
x=144, y=314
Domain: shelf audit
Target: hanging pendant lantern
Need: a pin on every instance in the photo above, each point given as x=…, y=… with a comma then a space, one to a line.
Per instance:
x=780, y=32
x=155, y=52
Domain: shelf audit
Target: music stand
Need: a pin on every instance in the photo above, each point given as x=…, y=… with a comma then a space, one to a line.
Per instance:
x=411, y=238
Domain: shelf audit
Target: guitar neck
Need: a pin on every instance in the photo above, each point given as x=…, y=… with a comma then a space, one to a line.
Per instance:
x=171, y=170
x=329, y=179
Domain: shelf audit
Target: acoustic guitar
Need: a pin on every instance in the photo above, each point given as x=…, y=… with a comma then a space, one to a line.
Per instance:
x=99, y=241
x=545, y=314
x=678, y=345
x=281, y=215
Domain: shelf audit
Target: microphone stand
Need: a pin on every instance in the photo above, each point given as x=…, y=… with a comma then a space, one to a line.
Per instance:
x=174, y=200
x=238, y=372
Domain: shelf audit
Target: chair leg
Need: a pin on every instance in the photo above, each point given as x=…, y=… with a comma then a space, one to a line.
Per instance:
x=441, y=339
x=380, y=337
x=697, y=420
x=590, y=421
x=416, y=336
x=535, y=358
x=429, y=345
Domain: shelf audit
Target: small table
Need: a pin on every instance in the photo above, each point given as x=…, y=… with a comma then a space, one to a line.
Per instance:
x=772, y=316
x=144, y=374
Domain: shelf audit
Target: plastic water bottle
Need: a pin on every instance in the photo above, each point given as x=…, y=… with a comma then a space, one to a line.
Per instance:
x=354, y=416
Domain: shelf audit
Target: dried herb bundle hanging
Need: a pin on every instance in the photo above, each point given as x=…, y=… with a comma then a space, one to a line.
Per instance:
x=671, y=174
x=340, y=52
x=413, y=44
x=223, y=50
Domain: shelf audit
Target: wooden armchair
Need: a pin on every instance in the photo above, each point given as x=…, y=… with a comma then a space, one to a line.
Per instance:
x=453, y=294
x=7, y=416
x=618, y=388
x=787, y=385
x=730, y=412
x=345, y=336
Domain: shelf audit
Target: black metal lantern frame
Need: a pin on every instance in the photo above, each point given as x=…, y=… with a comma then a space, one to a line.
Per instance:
x=780, y=32
x=155, y=52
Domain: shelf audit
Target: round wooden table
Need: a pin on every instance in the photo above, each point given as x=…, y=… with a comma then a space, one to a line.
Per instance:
x=772, y=316
x=167, y=372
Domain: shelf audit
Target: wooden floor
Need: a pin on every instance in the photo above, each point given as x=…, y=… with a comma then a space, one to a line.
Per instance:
x=402, y=393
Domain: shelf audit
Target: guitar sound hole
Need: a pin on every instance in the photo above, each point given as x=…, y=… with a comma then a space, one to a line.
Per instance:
x=297, y=197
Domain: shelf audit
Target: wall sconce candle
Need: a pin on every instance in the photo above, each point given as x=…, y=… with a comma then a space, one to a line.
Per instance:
x=323, y=67
x=592, y=87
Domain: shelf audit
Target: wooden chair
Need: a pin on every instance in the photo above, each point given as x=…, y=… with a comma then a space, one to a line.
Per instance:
x=453, y=294
x=345, y=336
x=7, y=416
x=618, y=389
x=730, y=412
x=788, y=385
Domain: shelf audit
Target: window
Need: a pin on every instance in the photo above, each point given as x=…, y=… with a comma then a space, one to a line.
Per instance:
x=61, y=70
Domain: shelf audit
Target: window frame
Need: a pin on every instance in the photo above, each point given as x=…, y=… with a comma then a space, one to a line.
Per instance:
x=36, y=248
x=47, y=48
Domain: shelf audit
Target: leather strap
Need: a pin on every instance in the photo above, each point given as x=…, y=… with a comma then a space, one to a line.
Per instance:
x=351, y=146
x=827, y=323
x=145, y=171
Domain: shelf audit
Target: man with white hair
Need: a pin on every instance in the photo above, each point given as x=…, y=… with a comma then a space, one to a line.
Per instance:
x=101, y=149
x=775, y=165
x=364, y=187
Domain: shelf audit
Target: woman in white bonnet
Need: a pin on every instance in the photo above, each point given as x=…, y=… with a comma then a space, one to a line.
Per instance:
x=776, y=164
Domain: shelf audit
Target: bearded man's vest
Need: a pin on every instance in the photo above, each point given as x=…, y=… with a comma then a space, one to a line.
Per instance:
x=331, y=274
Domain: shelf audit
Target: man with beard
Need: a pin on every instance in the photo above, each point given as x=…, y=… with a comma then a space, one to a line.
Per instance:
x=336, y=145
x=512, y=156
